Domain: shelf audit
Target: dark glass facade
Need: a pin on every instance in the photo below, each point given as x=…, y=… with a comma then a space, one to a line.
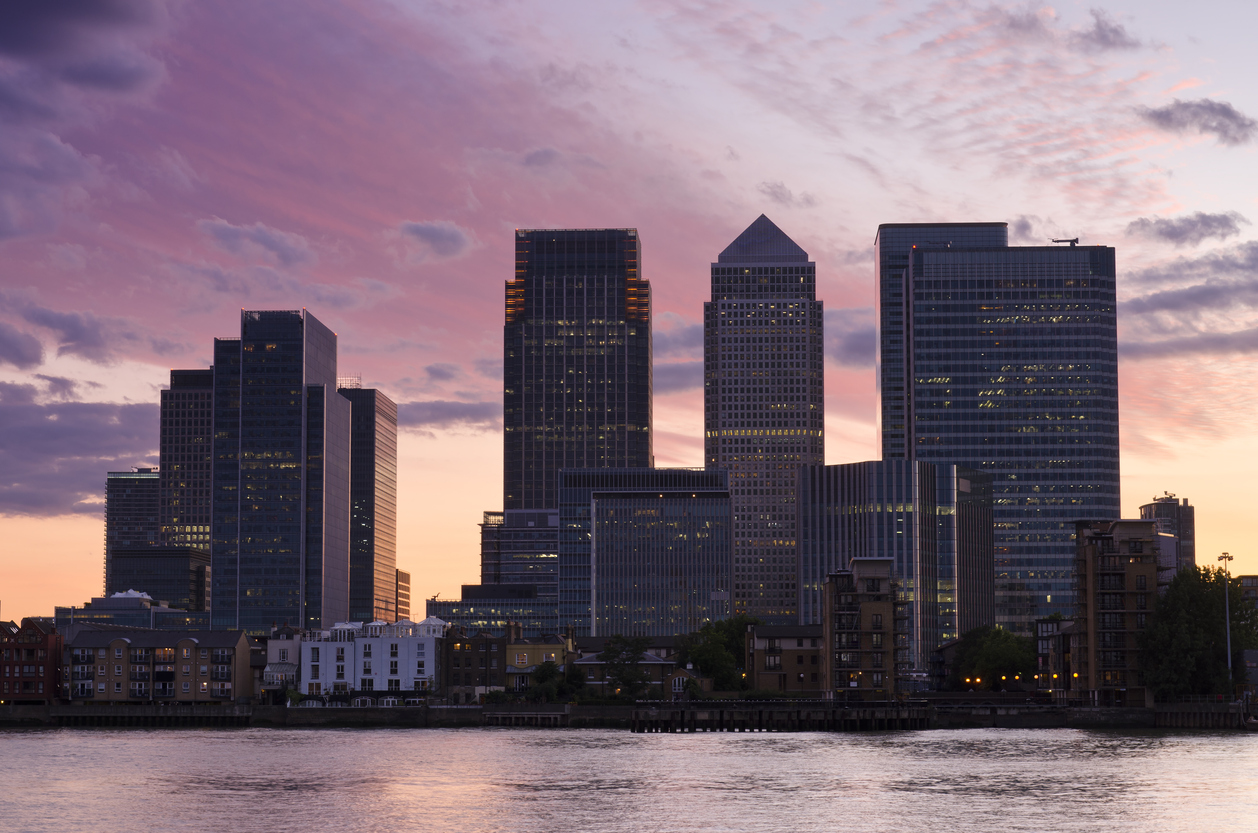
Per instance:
x=1179, y=518
x=521, y=547
x=280, y=537
x=490, y=607
x=764, y=398
x=177, y=575
x=576, y=360
x=373, y=506
x=892, y=247
x=933, y=522
x=1010, y=366
x=132, y=512
x=645, y=549
x=187, y=414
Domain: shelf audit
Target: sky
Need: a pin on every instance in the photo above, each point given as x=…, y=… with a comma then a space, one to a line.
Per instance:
x=164, y=164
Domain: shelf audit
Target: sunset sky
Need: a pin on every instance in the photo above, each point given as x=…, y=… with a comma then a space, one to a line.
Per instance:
x=164, y=164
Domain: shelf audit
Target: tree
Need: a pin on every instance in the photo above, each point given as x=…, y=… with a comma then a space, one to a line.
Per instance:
x=716, y=651
x=1183, y=651
x=622, y=657
x=989, y=654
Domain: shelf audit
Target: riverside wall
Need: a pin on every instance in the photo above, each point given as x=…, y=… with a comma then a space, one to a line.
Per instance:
x=696, y=716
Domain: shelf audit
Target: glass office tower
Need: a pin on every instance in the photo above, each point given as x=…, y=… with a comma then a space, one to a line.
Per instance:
x=187, y=415
x=373, y=506
x=132, y=511
x=764, y=397
x=521, y=547
x=933, y=521
x=1006, y=360
x=643, y=552
x=1179, y=518
x=281, y=514
x=576, y=360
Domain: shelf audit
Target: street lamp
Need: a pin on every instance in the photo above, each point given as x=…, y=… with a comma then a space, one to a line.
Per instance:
x=1227, y=614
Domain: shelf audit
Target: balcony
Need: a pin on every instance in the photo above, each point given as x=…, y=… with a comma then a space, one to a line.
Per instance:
x=221, y=676
x=773, y=649
x=139, y=676
x=88, y=674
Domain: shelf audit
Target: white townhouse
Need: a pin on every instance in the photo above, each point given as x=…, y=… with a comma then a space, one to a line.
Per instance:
x=376, y=658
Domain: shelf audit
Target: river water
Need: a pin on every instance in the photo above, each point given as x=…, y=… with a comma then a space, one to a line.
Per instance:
x=592, y=780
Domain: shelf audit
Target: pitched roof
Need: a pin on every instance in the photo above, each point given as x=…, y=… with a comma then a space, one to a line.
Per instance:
x=763, y=242
x=143, y=638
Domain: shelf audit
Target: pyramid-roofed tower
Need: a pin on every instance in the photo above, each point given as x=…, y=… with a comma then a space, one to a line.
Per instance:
x=763, y=242
x=763, y=401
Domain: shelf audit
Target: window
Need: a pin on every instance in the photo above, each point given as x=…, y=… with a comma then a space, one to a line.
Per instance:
x=283, y=655
x=419, y=666
x=871, y=585
x=205, y=669
x=205, y=686
x=876, y=679
x=875, y=640
x=117, y=670
x=366, y=666
x=1140, y=583
x=366, y=684
x=186, y=686
x=186, y=653
x=366, y=649
x=117, y=653
x=773, y=663
x=393, y=668
x=521, y=659
x=393, y=649
x=875, y=621
x=314, y=672
x=205, y=653
x=799, y=643
x=314, y=654
x=799, y=659
x=340, y=654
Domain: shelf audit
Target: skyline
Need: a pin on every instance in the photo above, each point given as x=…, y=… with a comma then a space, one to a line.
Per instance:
x=165, y=165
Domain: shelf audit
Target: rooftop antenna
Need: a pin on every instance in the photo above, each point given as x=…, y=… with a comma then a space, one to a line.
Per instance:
x=1073, y=241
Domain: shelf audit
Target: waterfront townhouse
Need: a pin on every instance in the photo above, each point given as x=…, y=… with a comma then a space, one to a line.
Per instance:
x=372, y=660
x=861, y=627
x=147, y=666
x=785, y=658
x=30, y=668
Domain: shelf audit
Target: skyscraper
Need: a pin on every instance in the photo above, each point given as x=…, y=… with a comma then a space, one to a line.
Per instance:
x=576, y=360
x=1178, y=518
x=764, y=393
x=131, y=512
x=281, y=513
x=373, y=506
x=1005, y=360
x=187, y=415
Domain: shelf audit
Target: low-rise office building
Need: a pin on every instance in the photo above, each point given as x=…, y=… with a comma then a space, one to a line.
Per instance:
x=131, y=609
x=373, y=659
x=786, y=658
x=30, y=661
x=146, y=666
x=1115, y=579
x=861, y=628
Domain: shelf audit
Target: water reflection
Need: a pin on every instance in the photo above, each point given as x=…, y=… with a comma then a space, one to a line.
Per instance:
x=569, y=780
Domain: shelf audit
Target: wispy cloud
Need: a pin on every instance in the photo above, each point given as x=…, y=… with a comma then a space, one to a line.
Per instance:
x=1205, y=116
x=22, y=350
x=439, y=239
x=1189, y=230
x=447, y=414
x=259, y=240
x=54, y=455
x=850, y=336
